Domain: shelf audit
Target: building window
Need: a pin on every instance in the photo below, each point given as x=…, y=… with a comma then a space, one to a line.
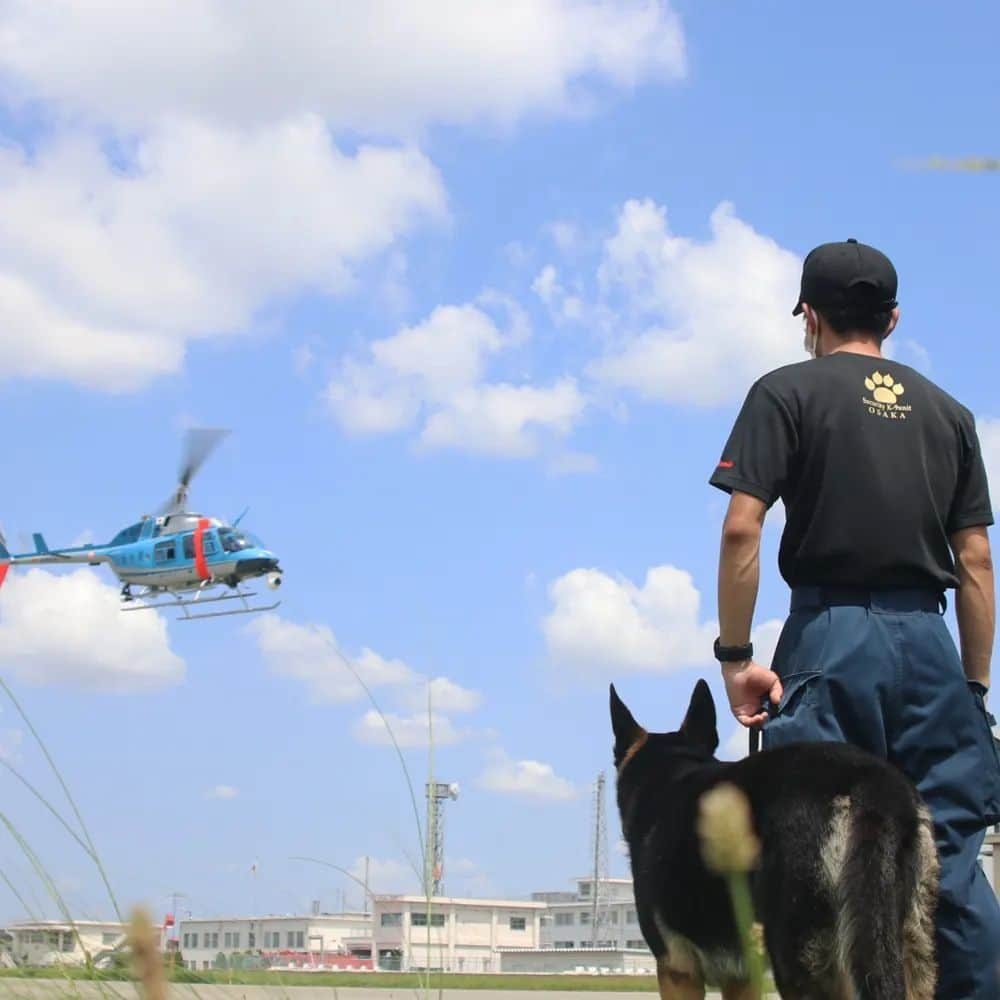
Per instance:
x=420, y=919
x=518, y=923
x=630, y=917
x=564, y=919
x=613, y=917
x=585, y=917
x=187, y=939
x=635, y=943
x=252, y=940
x=562, y=944
x=300, y=939
x=68, y=942
x=290, y=939
x=392, y=920
x=227, y=940
x=212, y=940
x=194, y=940
x=236, y=939
x=37, y=937
x=586, y=944
x=584, y=888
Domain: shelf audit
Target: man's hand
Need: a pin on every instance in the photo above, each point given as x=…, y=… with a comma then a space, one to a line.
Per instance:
x=747, y=684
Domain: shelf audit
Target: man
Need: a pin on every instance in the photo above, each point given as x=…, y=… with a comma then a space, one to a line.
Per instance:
x=887, y=506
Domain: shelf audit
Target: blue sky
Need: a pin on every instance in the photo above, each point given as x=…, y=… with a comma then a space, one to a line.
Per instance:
x=479, y=293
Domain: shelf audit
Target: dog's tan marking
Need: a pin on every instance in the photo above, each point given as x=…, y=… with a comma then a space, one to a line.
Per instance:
x=637, y=745
x=679, y=984
x=737, y=990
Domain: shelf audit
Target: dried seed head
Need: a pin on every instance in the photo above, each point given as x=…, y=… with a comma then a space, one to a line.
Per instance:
x=143, y=939
x=725, y=825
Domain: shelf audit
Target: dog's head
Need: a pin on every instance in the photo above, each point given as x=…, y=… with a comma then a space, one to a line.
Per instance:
x=698, y=733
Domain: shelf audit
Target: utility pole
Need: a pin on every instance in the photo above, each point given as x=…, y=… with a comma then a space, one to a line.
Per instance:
x=600, y=870
x=368, y=862
x=173, y=897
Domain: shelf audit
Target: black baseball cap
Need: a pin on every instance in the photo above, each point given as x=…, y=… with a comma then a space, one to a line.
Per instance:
x=847, y=274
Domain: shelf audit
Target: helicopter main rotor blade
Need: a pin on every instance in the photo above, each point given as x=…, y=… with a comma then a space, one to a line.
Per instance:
x=199, y=444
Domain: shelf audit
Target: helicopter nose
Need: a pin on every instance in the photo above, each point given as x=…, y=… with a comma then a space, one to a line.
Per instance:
x=257, y=566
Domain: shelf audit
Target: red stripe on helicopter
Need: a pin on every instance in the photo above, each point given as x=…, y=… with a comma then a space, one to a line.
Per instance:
x=3, y=572
x=200, y=565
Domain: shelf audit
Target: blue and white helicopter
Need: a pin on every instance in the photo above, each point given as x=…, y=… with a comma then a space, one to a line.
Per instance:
x=174, y=559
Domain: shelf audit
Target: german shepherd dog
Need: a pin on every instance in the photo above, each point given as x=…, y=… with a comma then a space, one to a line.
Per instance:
x=846, y=882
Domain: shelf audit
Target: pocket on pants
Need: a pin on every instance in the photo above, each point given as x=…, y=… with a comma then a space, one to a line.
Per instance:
x=991, y=758
x=798, y=690
x=794, y=718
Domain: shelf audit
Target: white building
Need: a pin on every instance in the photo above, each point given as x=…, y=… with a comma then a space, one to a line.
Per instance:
x=457, y=935
x=59, y=942
x=570, y=918
x=316, y=941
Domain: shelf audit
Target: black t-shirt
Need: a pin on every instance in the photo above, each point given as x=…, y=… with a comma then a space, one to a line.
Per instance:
x=876, y=466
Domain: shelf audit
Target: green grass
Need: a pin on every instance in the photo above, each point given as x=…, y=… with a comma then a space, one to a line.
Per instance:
x=380, y=980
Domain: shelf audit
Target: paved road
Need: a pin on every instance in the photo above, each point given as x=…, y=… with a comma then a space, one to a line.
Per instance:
x=56, y=989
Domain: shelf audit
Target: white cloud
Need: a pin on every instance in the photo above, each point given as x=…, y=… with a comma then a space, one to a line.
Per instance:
x=222, y=792
x=399, y=68
x=386, y=875
x=526, y=778
x=446, y=696
x=408, y=730
x=106, y=273
x=988, y=429
x=311, y=654
x=710, y=317
x=599, y=622
x=70, y=629
x=737, y=746
x=434, y=375
x=561, y=305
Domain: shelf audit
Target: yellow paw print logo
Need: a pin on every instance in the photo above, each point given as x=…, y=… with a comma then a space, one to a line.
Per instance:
x=884, y=387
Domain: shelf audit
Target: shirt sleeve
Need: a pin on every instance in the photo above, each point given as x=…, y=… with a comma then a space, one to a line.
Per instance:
x=760, y=448
x=971, y=506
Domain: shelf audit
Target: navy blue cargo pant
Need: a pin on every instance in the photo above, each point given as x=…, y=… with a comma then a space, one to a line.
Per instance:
x=880, y=670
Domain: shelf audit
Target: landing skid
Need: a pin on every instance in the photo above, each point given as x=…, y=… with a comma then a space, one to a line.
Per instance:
x=153, y=601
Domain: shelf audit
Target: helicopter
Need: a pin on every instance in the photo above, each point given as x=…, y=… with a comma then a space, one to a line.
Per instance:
x=175, y=558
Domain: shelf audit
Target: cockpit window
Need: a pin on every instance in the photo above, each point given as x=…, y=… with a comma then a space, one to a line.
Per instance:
x=128, y=535
x=233, y=541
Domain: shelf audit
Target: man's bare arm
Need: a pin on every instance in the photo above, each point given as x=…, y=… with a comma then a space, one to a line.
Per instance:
x=747, y=684
x=739, y=568
x=975, y=603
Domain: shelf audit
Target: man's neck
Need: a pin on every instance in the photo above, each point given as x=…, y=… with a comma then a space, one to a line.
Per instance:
x=848, y=344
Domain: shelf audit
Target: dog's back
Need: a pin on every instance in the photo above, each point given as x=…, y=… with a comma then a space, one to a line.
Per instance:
x=847, y=879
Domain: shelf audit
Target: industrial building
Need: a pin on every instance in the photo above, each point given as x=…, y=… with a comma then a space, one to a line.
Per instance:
x=320, y=941
x=61, y=942
x=451, y=935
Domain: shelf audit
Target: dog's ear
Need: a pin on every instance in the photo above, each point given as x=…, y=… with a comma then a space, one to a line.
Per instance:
x=626, y=729
x=699, y=727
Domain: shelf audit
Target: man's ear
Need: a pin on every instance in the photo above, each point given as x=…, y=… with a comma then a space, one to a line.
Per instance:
x=893, y=320
x=626, y=729
x=699, y=727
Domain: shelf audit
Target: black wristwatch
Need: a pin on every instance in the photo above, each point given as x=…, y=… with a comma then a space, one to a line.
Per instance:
x=733, y=654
